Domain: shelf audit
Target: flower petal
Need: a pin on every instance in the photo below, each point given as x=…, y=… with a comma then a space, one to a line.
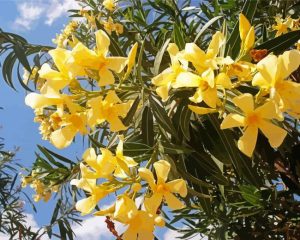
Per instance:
x=274, y=133
x=173, y=202
x=152, y=204
x=244, y=102
x=177, y=186
x=116, y=64
x=147, y=175
x=201, y=110
x=247, y=142
x=162, y=169
x=105, y=77
x=63, y=137
x=86, y=205
x=102, y=42
x=187, y=79
x=233, y=120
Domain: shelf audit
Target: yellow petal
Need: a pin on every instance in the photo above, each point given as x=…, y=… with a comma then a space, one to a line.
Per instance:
x=177, y=186
x=274, y=133
x=116, y=124
x=259, y=80
x=173, y=202
x=193, y=54
x=247, y=142
x=122, y=108
x=209, y=77
x=35, y=100
x=244, y=102
x=116, y=64
x=131, y=58
x=290, y=61
x=147, y=175
x=86, y=205
x=244, y=26
x=163, y=92
x=61, y=58
x=151, y=204
x=223, y=80
x=102, y=42
x=163, y=78
x=250, y=39
x=201, y=110
x=85, y=57
x=85, y=184
x=112, y=97
x=210, y=97
x=187, y=79
x=198, y=96
x=268, y=111
x=63, y=137
x=217, y=41
x=125, y=209
x=162, y=169
x=268, y=69
x=105, y=77
x=173, y=51
x=233, y=120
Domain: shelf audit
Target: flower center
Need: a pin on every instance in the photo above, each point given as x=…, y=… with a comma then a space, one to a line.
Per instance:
x=253, y=119
x=161, y=188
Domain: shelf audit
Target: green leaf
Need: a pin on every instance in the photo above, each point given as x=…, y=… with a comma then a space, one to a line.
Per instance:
x=147, y=126
x=170, y=148
x=184, y=121
x=159, y=57
x=251, y=194
x=127, y=120
x=205, y=26
x=162, y=117
x=281, y=43
x=20, y=53
x=178, y=35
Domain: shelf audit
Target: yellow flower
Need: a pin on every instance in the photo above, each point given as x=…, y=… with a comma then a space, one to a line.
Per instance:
x=242, y=70
x=252, y=120
x=109, y=109
x=206, y=61
x=96, y=193
x=162, y=190
x=119, y=28
x=98, y=59
x=131, y=59
x=201, y=110
x=165, y=80
x=206, y=87
x=271, y=78
x=110, y=5
x=67, y=70
x=109, y=26
x=70, y=126
x=123, y=163
x=104, y=165
x=101, y=166
x=282, y=25
x=247, y=33
x=140, y=223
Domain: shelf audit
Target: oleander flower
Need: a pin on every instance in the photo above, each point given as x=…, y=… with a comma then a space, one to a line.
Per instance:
x=272, y=77
x=108, y=109
x=165, y=80
x=101, y=166
x=98, y=60
x=252, y=120
x=140, y=223
x=96, y=193
x=162, y=189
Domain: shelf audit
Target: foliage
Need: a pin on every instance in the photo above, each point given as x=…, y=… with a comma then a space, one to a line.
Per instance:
x=13, y=219
x=193, y=115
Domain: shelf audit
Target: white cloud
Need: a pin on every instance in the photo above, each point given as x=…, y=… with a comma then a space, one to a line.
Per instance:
x=170, y=234
x=31, y=12
x=95, y=228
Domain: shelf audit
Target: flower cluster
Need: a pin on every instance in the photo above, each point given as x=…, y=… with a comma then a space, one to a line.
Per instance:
x=285, y=25
x=64, y=108
x=214, y=78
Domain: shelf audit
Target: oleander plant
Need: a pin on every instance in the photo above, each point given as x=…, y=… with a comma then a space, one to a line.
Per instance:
x=190, y=110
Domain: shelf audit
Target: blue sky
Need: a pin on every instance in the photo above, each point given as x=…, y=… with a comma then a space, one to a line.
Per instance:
x=38, y=21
